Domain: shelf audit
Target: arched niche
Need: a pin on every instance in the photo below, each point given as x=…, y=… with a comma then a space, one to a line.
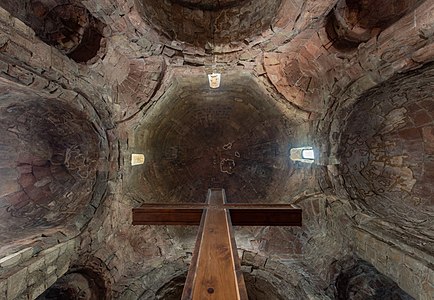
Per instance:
x=258, y=288
x=362, y=281
x=49, y=154
x=386, y=154
x=89, y=280
x=352, y=22
x=65, y=25
x=206, y=23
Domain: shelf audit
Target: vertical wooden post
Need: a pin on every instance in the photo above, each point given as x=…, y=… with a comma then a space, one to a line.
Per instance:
x=215, y=270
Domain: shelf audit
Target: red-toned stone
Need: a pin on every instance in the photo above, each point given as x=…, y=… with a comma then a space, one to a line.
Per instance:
x=421, y=118
x=41, y=171
x=411, y=133
x=26, y=180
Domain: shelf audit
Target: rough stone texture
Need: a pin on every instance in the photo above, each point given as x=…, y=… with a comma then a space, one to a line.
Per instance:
x=407, y=266
x=145, y=91
x=48, y=159
x=386, y=154
x=66, y=25
x=352, y=22
x=87, y=278
x=362, y=281
x=34, y=274
x=233, y=138
x=204, y=24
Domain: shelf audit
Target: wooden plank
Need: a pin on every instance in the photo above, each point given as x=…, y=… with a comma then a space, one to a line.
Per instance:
x=244, y=215
x=242, y=290
x=204, y=205
x=266, y=217
x=215, y=274
x=188, y=286
x=161, y=216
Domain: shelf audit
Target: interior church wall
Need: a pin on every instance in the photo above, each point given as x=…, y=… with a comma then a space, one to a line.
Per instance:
x=405, y=265
x=310, y=77
x=34, y=260
x=29, y=272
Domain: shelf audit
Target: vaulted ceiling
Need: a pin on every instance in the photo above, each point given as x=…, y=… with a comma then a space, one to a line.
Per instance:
x=85, y=84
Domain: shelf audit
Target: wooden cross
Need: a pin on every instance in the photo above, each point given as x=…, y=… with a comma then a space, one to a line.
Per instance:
x=215, y=269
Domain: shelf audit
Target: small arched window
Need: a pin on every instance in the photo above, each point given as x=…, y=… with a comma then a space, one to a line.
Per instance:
x=303, y=154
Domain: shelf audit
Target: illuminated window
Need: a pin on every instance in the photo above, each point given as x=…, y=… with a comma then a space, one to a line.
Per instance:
x=303, y=154
x=137, y=159
x=307, y=154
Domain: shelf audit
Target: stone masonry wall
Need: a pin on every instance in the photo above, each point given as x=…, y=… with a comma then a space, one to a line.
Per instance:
x=28, y=273
x=411, y=270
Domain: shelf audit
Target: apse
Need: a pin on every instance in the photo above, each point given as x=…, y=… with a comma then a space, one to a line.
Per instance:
x=352, y=22
x=66, y=25
x=204, y=23
x=386, y=154
x=194, y=138
x=49, y=152
x=88, y=280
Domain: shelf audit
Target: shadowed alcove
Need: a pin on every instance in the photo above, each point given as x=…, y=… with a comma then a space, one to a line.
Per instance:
x=387, y=161
x=353, y=22
x=235, y=138
x=49, y=155
x=204, y=23
x=66, y=25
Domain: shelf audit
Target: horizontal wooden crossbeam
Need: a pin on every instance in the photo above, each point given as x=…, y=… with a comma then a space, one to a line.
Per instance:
x=241, y=214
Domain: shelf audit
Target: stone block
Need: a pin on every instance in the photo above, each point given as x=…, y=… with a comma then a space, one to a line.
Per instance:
x=248, y=257
x=41, y=55
x=17, y=284
x=5, y=16
x=3, y=289
x=37, y=290
x=10, y=260
x=51, y=269
x=51, y=280
x=393, y=263
x=408, y=281
x=36, y=277
x=271, y=265
x=20, y=26
x=16, y=51
x=50, y=257
x=38, y=264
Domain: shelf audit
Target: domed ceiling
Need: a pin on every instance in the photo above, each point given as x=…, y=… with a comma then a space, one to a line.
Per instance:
x=387, y=152
x=209, y=22
x=49, y=153
x=196, y=138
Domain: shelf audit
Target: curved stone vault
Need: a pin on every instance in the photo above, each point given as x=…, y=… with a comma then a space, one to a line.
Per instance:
x=197, y=138
x=49, y=152
x=84, y=84
x=206, y=23
x=387, y=152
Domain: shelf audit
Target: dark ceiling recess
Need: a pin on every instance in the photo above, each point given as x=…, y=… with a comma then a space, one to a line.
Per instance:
x=363, y=281
x=233, y=138
x=89, y=280
x=353, y=22
x=68, y=26
x=209, y=22
x=48, y=157
x=387, y=151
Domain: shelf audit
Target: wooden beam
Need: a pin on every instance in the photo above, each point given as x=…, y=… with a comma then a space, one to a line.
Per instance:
x=215, y=272
x=241, y=214
x=164, y=216
x=265, y=217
